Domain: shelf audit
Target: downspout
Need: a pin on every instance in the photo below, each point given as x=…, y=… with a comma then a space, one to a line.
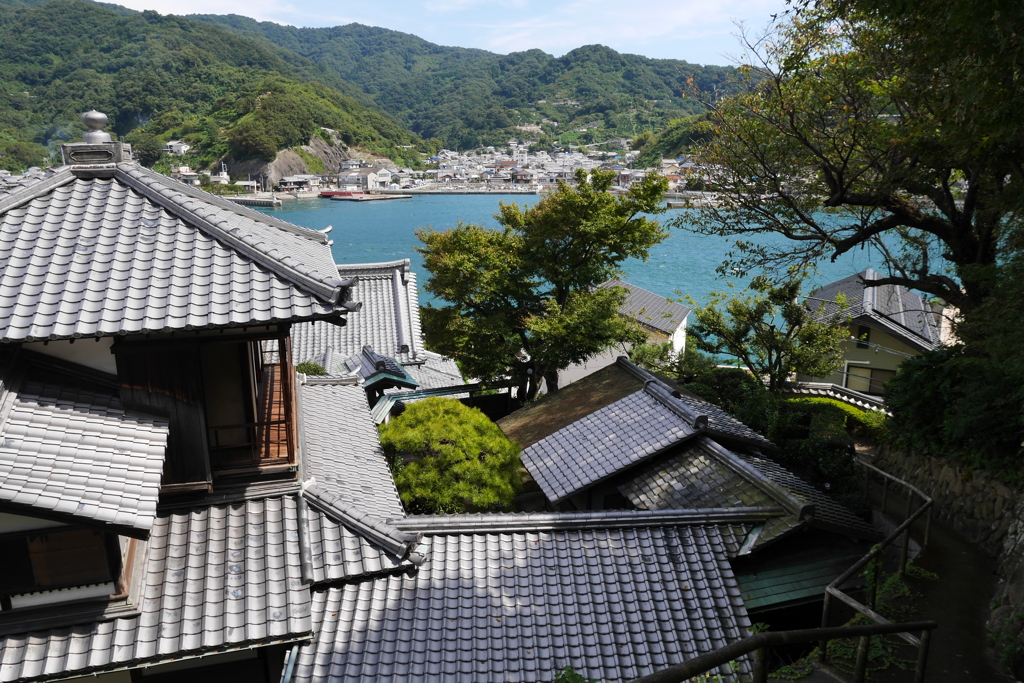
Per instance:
x=289, y=664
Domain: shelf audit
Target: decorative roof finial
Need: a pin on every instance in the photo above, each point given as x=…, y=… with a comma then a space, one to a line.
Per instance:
x=95, y=121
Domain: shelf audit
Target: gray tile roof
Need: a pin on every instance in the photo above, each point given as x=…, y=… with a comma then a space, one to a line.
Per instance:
x=67, y=446
x=719, y=422
x=602, y=444
x=519, y=605
x=828, y=514
x=215, y=578
x=338, y=553
x=704, y=474
x=839, y=393
x=389, y=320
x=341, y=449
x=650, y=309
x=138, y=252
x=893, y=308
x=623, y=434
x=381, y=371
x=352, y=496
x=692, y=478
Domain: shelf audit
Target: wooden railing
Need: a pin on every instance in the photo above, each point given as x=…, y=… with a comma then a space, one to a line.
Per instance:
x=760, y=643
x=901, y=532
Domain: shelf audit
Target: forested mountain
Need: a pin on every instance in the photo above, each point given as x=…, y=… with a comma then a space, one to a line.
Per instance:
x=159, y=77
x=470, y=97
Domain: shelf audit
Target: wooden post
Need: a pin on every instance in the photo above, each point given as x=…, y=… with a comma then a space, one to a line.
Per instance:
x=823, y=645
x=885, y=495
x=927, y=527
x=873, y=597
x=862, y=659
x=761, y=665
x=922, y=656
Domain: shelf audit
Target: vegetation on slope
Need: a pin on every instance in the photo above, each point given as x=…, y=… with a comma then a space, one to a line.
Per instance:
x=472, y=97
x=163, y=77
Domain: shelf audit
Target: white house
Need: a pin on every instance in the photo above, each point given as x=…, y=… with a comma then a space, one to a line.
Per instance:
x=177, y=147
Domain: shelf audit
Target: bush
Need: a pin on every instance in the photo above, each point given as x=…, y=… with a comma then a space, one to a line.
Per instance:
x=870, y=424
x=308, y=367
x=954, y=403
x=449, y=458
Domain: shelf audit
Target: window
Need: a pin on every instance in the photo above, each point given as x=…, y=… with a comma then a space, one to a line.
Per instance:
x=867, y=380
x=229, y=400
x=51, y=559
x=863, y=337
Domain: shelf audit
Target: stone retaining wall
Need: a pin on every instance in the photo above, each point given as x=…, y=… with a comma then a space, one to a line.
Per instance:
x=974, y=504
x=989, y=513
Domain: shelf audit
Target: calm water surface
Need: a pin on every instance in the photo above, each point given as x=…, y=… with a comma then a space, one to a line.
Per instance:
x=384, y=231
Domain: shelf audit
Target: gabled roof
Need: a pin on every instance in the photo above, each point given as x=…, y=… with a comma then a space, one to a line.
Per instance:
x=704, y=474
x=69, y=449
x=389, y=323
x=132, y=251
x=619, y=436
x=522, y=601
x=215, y=578
x=650, y=309
x=389, y=320
x=375, y=369
x=349, y=490
x=892, y=308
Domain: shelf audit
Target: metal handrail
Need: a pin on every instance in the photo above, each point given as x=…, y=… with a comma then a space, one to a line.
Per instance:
x=759, y=644
x=833, y=590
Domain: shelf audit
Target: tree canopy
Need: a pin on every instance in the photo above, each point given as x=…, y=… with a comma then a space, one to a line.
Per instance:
x=771, y=331
x=523, y=300
x=449, y=458
x=862, y=132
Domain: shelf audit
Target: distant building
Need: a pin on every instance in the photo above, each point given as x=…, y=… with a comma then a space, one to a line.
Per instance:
x=662, y=318
x=177, y=147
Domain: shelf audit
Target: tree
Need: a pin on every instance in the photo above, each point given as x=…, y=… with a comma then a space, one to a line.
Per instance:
x=523, y=300
x=860, y=134
x=449, y=458
x=772, y=332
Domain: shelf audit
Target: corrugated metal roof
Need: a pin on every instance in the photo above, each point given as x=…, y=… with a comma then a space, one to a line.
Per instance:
x=134, y=253
x=519, y=606
x=650, y=309
x=67, y=446
x=215, y=578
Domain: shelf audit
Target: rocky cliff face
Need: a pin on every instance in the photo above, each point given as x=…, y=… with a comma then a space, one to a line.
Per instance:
x=290, y=163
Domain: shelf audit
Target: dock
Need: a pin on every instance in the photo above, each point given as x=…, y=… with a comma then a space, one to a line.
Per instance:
x=256, y=201
x=368, y=197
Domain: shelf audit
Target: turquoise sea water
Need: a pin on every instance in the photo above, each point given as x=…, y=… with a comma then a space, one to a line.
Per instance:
x=384, y=231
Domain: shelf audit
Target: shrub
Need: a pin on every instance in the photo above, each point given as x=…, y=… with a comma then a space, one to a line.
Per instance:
x=449, y=458
x=308, y=367
x=951, y=402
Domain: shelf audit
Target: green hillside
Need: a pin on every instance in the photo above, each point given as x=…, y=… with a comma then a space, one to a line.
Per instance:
x=472, y=97
x=161, y=77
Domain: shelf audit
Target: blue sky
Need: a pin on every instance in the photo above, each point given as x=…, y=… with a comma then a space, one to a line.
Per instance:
x=699, y=31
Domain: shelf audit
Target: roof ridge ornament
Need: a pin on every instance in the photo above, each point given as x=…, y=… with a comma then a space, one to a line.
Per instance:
x=96, y=155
